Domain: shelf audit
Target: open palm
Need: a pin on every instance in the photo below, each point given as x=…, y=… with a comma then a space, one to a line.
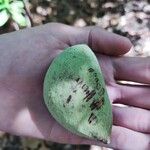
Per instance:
x=24, y=106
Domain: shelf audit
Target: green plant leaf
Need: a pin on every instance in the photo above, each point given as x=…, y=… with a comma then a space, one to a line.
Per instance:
x=6, y=2
x=1, y=1
x=16, y=6
x=4, y=16
x=20, y=19
x=3, y=6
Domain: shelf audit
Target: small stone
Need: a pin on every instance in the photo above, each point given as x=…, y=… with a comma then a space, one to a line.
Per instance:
x=43, y=11
x=146, y=9
x=37, y=19
x=108, y=5
x=80, y=23
x=105, y=21
x=146, y=47
x=141, y=15
x=114, y=21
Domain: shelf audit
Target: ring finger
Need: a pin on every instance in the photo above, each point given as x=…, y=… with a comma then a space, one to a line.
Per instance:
x=132, y=118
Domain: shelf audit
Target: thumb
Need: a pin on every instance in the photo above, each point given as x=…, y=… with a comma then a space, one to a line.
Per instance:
x=97, y=39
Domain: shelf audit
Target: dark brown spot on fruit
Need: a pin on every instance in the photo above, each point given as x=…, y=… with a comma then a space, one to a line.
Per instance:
x=83, y=86
x=90, y=95
x=96, y=79
x=97, y=104
x=74, y=56
x=77, y=79
x=90, y=69
x=92, y=118
x=83, y=106
x=74, y=91
x=80, y=82
x=94, y=136
x=68, y=99
x=87, y=90
x=102, y=92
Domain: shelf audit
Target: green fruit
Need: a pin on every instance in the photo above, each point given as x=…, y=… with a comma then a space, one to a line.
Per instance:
x=75, y=94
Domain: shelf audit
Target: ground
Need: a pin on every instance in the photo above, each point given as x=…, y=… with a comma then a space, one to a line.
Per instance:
x=125, y=17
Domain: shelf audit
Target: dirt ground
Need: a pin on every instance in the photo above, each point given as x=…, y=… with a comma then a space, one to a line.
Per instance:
x=124, y=17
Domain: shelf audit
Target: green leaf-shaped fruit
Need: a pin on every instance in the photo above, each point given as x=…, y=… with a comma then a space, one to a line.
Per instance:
x=75, y=94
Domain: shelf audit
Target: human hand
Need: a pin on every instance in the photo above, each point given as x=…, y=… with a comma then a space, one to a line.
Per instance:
x=25, y=60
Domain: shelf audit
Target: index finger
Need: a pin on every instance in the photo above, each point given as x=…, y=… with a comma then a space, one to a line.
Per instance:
x=96, y=38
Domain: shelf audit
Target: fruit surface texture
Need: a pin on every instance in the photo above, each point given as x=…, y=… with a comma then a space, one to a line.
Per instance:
x=75, y=93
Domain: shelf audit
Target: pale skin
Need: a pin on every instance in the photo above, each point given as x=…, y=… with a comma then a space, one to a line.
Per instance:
x=24, y=59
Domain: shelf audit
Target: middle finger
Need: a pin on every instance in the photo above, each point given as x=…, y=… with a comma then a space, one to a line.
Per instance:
x=132, y=95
